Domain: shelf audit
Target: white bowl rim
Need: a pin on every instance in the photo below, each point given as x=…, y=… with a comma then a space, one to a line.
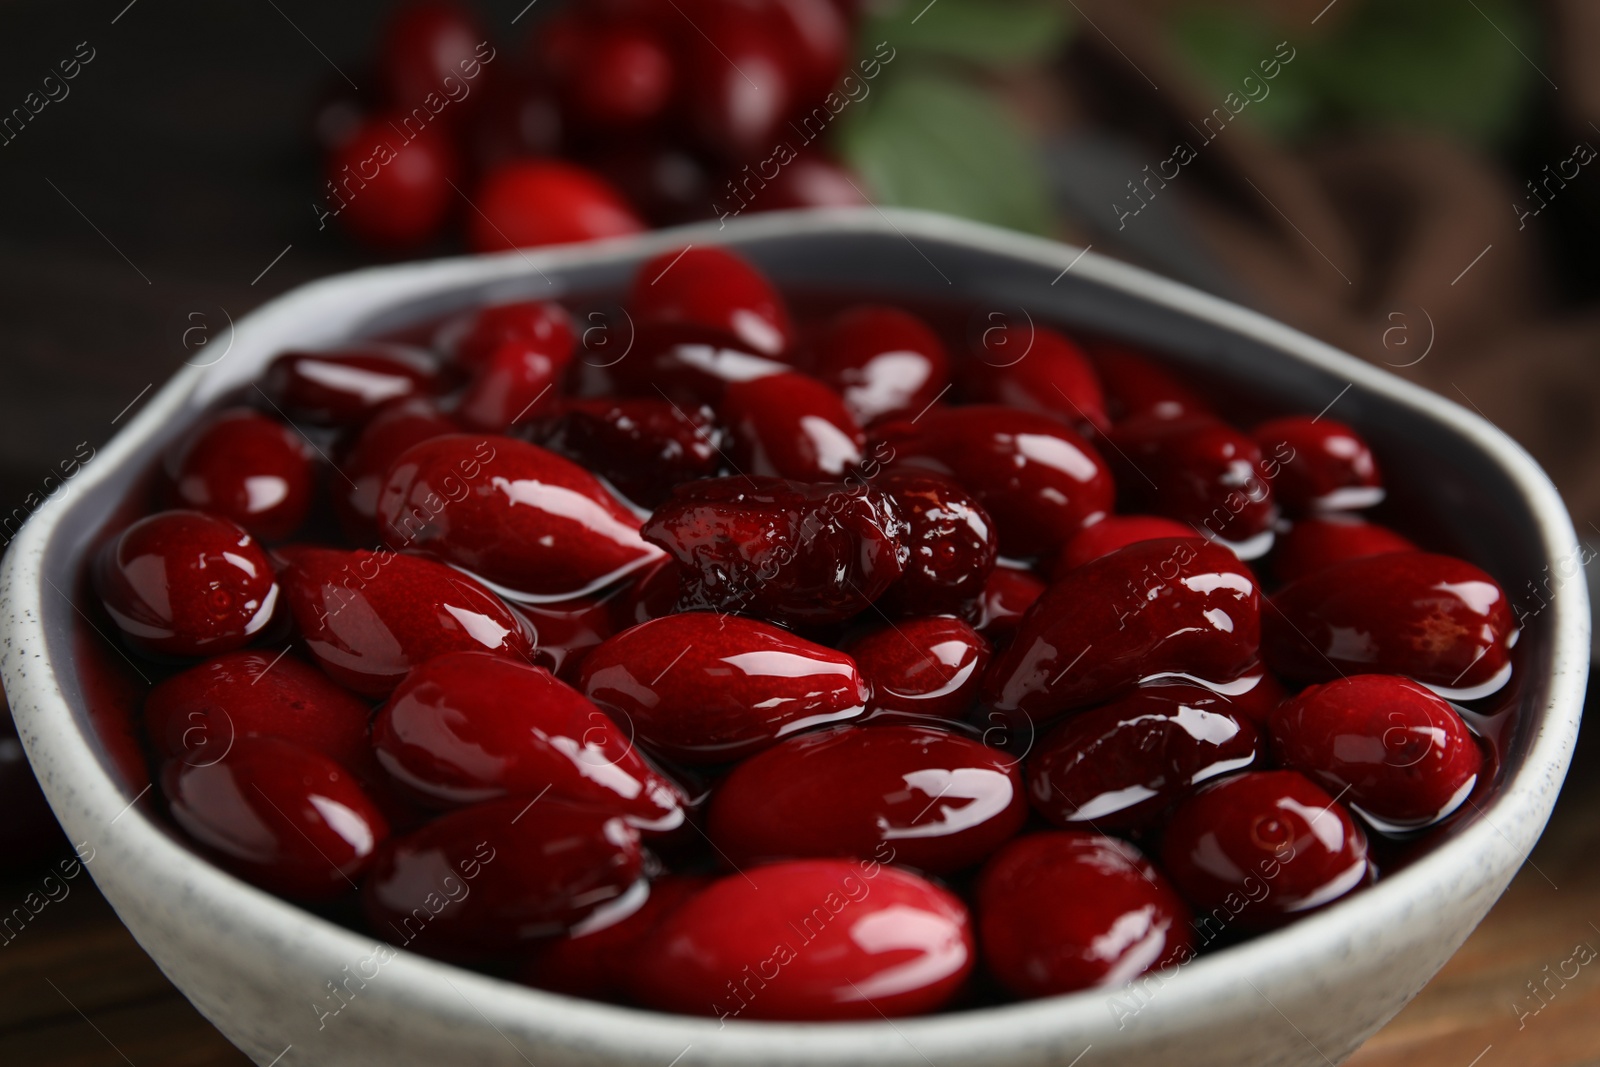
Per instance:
x=53, y=741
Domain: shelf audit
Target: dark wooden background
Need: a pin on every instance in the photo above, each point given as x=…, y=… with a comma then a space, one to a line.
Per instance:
x=141, y=211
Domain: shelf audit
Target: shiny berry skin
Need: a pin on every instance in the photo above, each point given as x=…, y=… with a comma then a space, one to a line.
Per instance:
x=1061, y=911
x=885, y=363
x=1311, y=544
x=952, y=541
x=394, y=188
x=499, y=875
x=713, y=290
x=542, y=325
x=1006, y=597
x=567, y=630
x=469, y=726
x=1395, y=753
x=183, y=583
x=1326, y=466
x=595, y=959
x=641, y=445
x=625, y=79
x=687, y=373
x=809, y=940
x=1200, y=471
x=809, y=180
x=739, y=87
x=704, y=688
x=369, y=617
x=1038, y=480
x=282, y=817
x=787, y=551
x=1114, y=532
x=819, y=38
x=1153, y=607
x=1253, y=850
x=380, y=443
x=248, y=468
x=1136, y=386
x=1115, y=768
x=516, y=515
x=197, y=716
x=790, y=426
x=1055, y=378
x=923, y=667
x=934, y=800
x=347, y=386
x=529, y=202
x=515, y=384
x=425, y=42
x=1434, y=618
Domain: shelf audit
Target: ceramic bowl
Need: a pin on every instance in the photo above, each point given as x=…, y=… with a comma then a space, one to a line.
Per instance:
x=266, y=972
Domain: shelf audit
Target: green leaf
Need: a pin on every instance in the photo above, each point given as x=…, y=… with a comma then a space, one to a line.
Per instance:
x=991, y=33
x=936, y=142
x=1227, y=46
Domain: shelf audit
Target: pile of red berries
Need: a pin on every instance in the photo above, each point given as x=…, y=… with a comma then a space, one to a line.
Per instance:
x=799, y=670
x=616, y=115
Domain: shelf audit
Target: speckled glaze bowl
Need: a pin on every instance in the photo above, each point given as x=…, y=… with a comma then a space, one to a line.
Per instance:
x=265, y=971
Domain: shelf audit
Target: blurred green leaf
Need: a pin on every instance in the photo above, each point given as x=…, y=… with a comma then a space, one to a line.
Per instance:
x=1447, y=65
x=936, y=142
x=989, y=33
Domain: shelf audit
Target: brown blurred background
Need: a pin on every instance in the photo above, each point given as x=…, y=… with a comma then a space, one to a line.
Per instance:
x=1412, y=182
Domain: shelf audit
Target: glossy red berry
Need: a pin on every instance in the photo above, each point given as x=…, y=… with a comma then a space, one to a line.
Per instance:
x=389, y=185
x=1200, y=471
x=469, y=726
x=1053, y=377
x=686, y=373
x=790, y=426
x=715, y=291
x=819, y=37
x=1136, y=386
x=598, y=956
x=473, y=339
x=516, y=515
x=952, y=541
x=705, y=688
x=625, y=79
x=1434, y=618
x=183, y=583
x=285, y=818
x=1151, y=608
x=922, y=667
x=429, y=47
x=885, y=363
x=783, y=550
x=1115, y=768
x=1313, y=543
x=928, y=798
x=526, y=203
x=198, y=715
x=739, y=87
x=1114, y=532
x=515, y=385
x=1398, y=755
x=380, y=443
x=809, y=180
x=1035, y=476
x=1324, y=465
x=1006, y=597
x=1253, y=850
x=1062, y=911
x=566, y=631
x=809, y=940
x=641, y=445
x=347, y=386
x=248, y=468
x=488, y=879
x=369, y=617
